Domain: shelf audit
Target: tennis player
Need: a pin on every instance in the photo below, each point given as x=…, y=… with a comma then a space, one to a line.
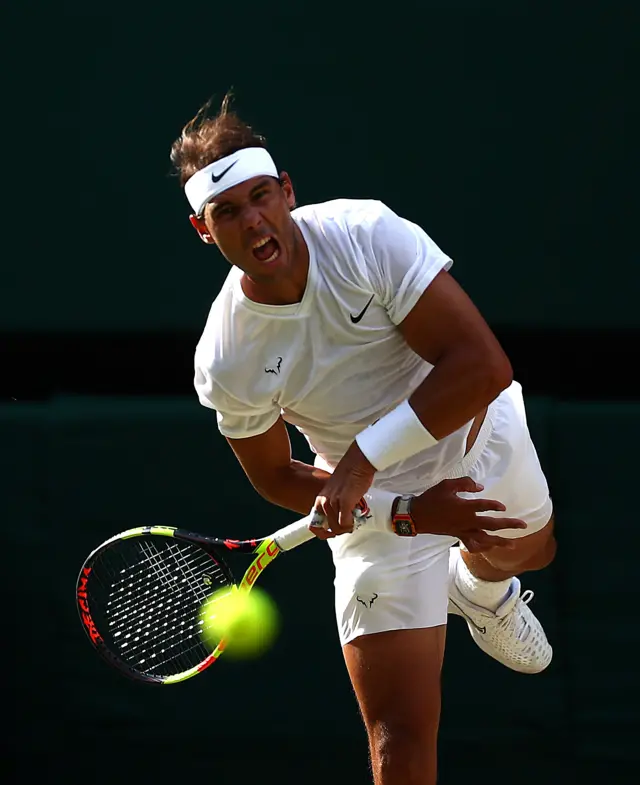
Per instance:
x=343, y=320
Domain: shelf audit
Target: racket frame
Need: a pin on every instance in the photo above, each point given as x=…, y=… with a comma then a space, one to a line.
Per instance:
x=264, y=551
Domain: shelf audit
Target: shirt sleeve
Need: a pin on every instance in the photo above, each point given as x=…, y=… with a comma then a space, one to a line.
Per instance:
x=403, y=261
x=236, y=420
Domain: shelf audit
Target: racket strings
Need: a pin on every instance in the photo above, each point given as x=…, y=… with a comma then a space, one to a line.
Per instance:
x=178, y=616
x=151, y=591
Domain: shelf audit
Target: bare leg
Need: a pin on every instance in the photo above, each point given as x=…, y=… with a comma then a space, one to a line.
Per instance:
x=533, y=552
x=396, y=677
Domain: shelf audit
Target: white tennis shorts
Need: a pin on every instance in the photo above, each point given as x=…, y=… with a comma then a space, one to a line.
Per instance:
x=385, y=582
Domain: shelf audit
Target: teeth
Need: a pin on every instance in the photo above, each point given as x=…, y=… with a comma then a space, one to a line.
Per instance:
x=262, y=242
x=273, y=256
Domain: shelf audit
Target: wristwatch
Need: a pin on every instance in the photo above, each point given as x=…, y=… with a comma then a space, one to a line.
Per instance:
x=401, y=520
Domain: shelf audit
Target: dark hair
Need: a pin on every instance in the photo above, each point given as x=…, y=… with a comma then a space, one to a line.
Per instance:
x=206, y=139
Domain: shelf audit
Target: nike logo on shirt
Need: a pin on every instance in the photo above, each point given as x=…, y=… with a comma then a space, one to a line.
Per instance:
x=356, y=319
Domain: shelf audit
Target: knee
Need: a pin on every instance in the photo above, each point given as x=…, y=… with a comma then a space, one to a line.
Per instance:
x=541, y=558
x=527, y=561
x=548, y=553
x=406, y=750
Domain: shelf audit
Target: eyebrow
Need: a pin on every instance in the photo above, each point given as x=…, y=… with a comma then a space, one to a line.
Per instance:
x=261, y=184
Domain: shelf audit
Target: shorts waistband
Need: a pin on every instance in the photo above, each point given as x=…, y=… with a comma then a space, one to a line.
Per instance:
x=461, y=469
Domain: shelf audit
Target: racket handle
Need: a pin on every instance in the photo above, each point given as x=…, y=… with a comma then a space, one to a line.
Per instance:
x=295, y=533
x=298, y=532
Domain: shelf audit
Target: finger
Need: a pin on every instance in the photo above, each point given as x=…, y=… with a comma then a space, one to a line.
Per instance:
x=497, y=524
x=480, y=542
x=336, y=528
x=464, y=485
x=332, y=517
x=472, y=544
x=345, y=518
x=318, y=525
x=318, y=511
x=318, y=519
x=487, y=541
x=484, y=505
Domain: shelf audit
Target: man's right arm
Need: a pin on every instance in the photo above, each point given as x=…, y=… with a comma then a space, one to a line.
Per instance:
x=267, y=462
x=271, y=469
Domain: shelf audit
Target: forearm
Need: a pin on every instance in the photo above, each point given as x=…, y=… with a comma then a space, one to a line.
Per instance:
x=295, y=487
x=456, y=390
x=459, y=386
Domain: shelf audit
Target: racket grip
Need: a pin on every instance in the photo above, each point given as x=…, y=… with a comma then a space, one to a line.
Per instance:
x=298, y=532
x=295, y=533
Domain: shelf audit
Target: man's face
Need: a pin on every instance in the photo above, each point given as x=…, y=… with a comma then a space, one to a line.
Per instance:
x=252, y=226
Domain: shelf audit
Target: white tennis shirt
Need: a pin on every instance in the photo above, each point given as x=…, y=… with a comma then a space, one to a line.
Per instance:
x=335, y=362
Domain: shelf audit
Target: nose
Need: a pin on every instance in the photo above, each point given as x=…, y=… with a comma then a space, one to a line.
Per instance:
x=251, y=218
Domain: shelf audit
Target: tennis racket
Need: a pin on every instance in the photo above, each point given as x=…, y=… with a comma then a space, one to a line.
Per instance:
x=140, y=593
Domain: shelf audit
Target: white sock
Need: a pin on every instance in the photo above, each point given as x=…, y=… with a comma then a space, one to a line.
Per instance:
x=485, y=594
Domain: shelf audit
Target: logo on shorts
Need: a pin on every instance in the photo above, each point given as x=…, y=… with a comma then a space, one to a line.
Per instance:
x=276, y=368
x=367, y=601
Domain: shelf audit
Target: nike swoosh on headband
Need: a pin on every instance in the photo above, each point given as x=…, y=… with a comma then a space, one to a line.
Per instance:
x=218, y=177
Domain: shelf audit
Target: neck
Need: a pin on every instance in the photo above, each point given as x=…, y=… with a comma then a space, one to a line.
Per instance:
x=288, y=288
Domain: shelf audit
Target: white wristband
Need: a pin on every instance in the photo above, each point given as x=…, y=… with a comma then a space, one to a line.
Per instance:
x=380, y=503
x=396, y=436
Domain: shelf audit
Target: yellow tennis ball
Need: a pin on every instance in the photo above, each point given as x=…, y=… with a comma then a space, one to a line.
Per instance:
x=248, y=621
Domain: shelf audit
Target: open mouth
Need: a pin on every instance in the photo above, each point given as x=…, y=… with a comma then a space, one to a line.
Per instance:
x=266, y=250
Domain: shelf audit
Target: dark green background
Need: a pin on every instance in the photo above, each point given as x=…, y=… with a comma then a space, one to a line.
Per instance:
x=76, y=470
x=506, y=132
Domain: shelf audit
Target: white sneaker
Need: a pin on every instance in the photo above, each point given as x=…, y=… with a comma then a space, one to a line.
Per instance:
x=512, y=635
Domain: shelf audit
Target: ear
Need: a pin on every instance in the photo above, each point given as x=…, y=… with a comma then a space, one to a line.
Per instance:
x=287, y=187
x=201, y=228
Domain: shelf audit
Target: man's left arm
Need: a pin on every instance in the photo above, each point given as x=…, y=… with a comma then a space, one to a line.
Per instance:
x=470, y=367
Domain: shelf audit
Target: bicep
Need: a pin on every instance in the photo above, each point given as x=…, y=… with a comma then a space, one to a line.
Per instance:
x=265, y=456
x=443, y=319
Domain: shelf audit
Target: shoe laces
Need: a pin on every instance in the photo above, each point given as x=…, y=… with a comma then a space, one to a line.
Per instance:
x=518, y=623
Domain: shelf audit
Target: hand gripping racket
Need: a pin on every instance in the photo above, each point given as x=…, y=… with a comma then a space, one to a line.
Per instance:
x=140, y=593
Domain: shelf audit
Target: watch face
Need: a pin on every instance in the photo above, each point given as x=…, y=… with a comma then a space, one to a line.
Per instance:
x=404, y=528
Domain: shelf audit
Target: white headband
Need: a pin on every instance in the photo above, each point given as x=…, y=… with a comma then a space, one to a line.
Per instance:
x=227, y=172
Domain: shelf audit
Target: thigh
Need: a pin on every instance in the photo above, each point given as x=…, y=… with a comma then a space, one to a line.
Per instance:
x=531, y=552
x=396, y=679
x=396, y=676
